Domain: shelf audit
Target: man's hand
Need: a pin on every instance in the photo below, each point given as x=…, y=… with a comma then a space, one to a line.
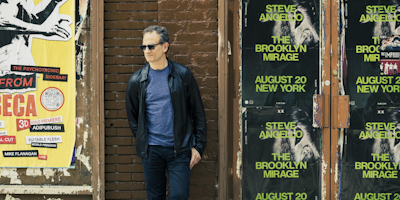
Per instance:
x=195, y=158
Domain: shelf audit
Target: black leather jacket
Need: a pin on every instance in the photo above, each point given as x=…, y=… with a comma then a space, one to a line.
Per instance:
x=186, y=102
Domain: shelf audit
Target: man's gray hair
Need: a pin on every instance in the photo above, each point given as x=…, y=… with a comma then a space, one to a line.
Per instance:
x=160, y=30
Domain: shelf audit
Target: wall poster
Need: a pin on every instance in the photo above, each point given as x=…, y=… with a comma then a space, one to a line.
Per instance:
x=281, y=154
x=37, y=83
x=371, y=159
x=280, y=52
x=372, y=42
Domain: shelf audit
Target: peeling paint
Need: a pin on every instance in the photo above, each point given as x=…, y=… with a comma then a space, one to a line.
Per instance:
x=66, y=173
x=324, y=166
x=33, y=172
x=84, y=159
x=79, y=121
x=85, y=139
x=47, y=190
x=9, y=197
x=47, y=172
x=12, y=174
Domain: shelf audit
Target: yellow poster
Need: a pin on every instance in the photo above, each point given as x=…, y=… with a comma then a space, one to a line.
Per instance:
x=37, y=83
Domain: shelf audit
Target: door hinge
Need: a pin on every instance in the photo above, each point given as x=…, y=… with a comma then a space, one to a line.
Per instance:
x=340, y=111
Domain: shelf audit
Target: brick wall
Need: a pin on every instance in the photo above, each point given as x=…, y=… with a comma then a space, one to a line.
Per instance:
x=192, y=25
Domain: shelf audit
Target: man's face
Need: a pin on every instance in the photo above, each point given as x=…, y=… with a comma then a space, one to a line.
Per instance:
x=155, y=55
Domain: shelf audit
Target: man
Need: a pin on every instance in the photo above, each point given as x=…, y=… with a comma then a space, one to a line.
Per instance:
x=20, y=19
x=162, y=99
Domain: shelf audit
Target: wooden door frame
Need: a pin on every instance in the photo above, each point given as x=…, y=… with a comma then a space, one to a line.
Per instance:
x=98, y=125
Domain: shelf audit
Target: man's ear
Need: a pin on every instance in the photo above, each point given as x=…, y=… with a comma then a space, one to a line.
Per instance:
x=165, y=47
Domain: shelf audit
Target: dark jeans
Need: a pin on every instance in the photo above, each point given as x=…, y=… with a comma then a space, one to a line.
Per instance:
x=161, y=158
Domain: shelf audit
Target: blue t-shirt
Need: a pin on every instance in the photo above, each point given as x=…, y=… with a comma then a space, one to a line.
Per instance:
x=159, y=111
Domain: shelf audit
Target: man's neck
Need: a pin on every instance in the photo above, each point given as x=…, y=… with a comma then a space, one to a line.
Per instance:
x=163, y=63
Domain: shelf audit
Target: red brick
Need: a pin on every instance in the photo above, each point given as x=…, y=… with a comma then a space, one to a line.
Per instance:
x=108, y=87
x=207, y=48
x=205, y=169
x=130, y=186
x=118, y=177
x=202, y=26
x=137, y=177
x=126, y=150
x=118, y=141
x=130, y=168
x=205, y=59
x=117, y=123
x=122, y=114
x=123, y=77
x=190, y=38
x=174, y=27
x=127, y=0
x=130, y=6
x=207, y=91
x=203, y=180
x=166, y=15
x=111, y=131
x=122, y=42
x=178, y=48
x=110, y=150
x=114, y=105
x=108, y=96
x=111, y=114
x=211, y=38
x=205, y=5
x=196, y=190
x=118, y=159
x=128, y=25
x=212, y=125
x=118, y=69
x=111, y=168
x=211, y=82
x=124, y=51
x=114, y=16
x=190, y=15
x=211, y=114
x=173, y=5
x=110, y=186
x=136, y=159
x=118, y=195
x=110, y=78
x=212, y=136
x=122, y=33
x=139, y=195
x=182, y=59
x=124, y=60
x=124, y=132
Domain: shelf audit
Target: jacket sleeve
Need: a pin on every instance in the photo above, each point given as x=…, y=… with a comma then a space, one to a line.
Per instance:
x=197, y=112
x=132, y=104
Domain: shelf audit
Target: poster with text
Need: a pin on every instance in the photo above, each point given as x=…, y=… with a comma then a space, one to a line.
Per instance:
x=371, y=74
x=371, y=159
x=281, y=154
x=280, y=52
x=37, y=83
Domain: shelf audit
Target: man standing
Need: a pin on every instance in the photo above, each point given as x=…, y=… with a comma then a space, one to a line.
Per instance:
x=162, y=100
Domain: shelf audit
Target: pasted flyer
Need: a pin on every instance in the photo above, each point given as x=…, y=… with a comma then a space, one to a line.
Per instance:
x=280, y=52
x=37, y=83
x=281, y=154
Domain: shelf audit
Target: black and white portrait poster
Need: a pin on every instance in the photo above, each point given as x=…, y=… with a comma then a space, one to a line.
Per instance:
x=371, y=159
x=280, y=52
x=281, y=154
